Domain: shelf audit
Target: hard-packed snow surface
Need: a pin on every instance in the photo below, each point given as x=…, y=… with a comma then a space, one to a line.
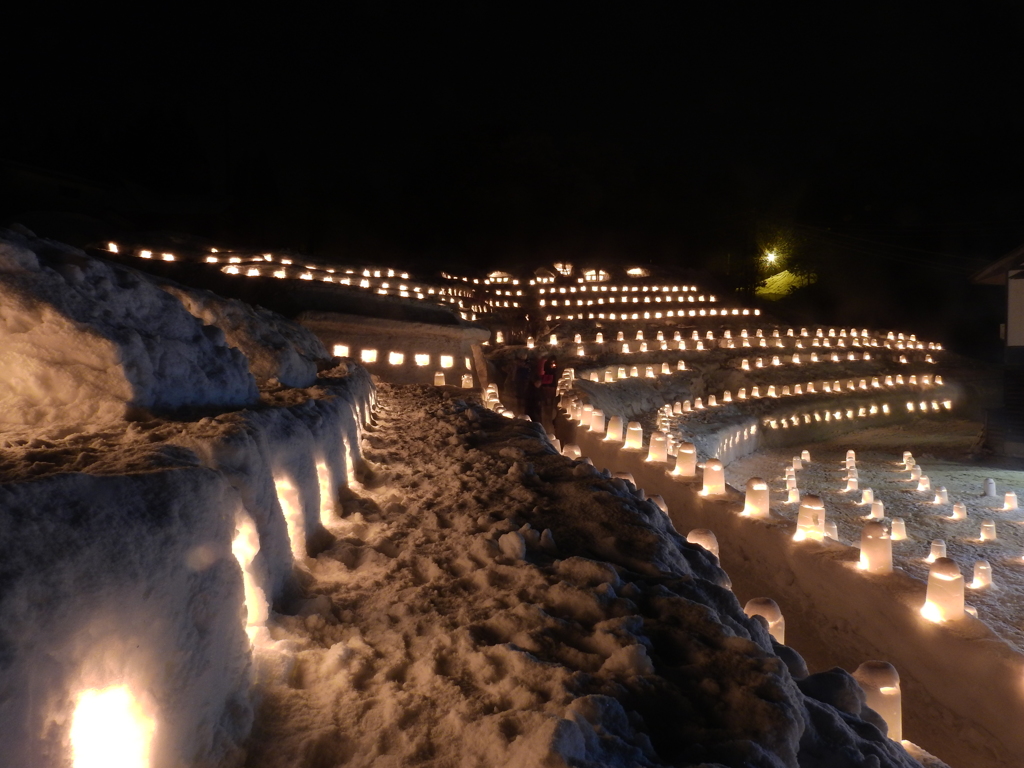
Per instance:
x=487, y=602
x=83, y=343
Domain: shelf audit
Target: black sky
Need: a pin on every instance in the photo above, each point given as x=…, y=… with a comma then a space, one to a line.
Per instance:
x=479, y=131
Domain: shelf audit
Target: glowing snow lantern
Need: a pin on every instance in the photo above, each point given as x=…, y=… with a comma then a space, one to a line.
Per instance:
x=805, y=455
x=681, y=365
x=945, y=596
x=714, y=478
x=851, y=484
x=881, y=685
x=677, y=408
x=288, y=498
x=698, y=404
x=757, y=498
x=658, y=450
x=741, y=394
x=988, y=530
x=439, y=380
x=875, y=549
x=704, y=538
x=1010, y=501
x=686, y=406
x=877, y=510
x=727, y=396
x=622, y=372
x=982, y=575
x=941, y=496
x=665, y=368
x=915, y=472
x=712, y=402
x=597, y=421
x=572, y=451
x=810, y=519
x=924, y=483
x=867, y=496
x=599, y=338
x=110, y=729
x=634, y=372
x=614, y=433
x=634, y=436
x=769, y=610
x=938, y=549
x=686, y=460
x=797, y=464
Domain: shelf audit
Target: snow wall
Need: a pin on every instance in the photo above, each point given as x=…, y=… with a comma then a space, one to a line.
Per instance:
x=403, y=352
x=126, y=577
x=963, y=687
x=83, y=342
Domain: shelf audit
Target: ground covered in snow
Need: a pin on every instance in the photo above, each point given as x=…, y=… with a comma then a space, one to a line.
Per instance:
x=941, y=448
x=487, y=602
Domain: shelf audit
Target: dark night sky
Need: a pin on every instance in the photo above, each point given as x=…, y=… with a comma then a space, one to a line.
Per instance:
x=476, y=134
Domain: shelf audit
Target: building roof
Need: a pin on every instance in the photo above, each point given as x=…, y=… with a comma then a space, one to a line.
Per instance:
x=996, y=273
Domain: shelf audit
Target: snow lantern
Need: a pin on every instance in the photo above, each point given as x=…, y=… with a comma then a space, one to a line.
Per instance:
x=945, y=596
x=990, y=487
x=665, y=368
x=727, y=396
x=867, y=496
x=1010, y=501
x=988, y=530
x=649, y=372
x=805, y=455
x=634, y=436
x=982, y=575
x=831, y=530
x=899, y=529
x=597, y=421
x=686, y=460
x=712, y=401
x=924, y=483
x=959, y=511
x=793, y=495
x=714, y=478
x=754, y=392
x=797, y=464
x=586, y=414
x=599, y=338
x=614, y=432
x=698, y=404
x=741, y=394
x=658, y=450
x=881, y=685
x=877, y=510
x=686, y=406
x=553, y=339
x=769, y=610
x=941, y=496
x=620, y=336
x=625, y=348
x=634, y=372
x=643, y=346
x=757, y=498
x=529, y=342
x=622, y=372
x=439, y=379
x=771, y=391
x=681, y=365
x=572, y=451
x=875, y=549
x=938, y=549
x=915, y=472
x=810, y=519
x=677, y=408
x=704, y=538
x=851, y=483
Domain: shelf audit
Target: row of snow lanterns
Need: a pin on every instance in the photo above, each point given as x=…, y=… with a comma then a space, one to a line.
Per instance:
x=879, y=680
x=492, y=401
x=818, y=340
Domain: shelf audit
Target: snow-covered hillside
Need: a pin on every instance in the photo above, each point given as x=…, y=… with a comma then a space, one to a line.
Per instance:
x=201, y=573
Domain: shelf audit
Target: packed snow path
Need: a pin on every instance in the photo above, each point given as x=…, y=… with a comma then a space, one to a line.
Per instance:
x=487, y=602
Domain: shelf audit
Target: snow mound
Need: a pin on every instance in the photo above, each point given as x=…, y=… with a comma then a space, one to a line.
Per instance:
x=84, y=343
x=276, y=347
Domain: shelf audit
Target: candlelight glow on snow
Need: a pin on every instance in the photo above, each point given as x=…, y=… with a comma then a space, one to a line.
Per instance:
x=109, y=729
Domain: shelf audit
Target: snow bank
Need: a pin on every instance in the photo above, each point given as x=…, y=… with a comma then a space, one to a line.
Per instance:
x=961, y=684
x=84, y=343
x=489, y=602
x=278, y=350
x=118, y=563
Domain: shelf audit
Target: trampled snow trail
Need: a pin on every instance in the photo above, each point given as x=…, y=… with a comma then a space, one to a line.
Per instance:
x=487, y=602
